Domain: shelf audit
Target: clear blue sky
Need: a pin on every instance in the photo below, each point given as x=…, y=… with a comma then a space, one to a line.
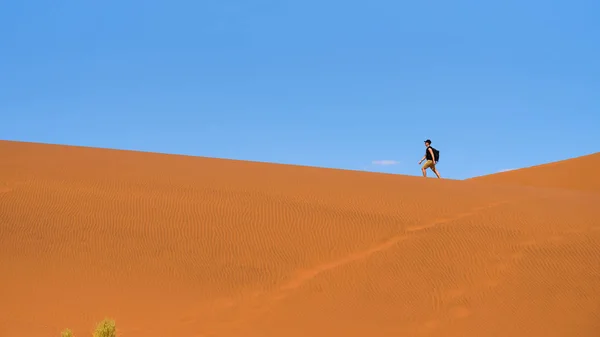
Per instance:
x=495, y=85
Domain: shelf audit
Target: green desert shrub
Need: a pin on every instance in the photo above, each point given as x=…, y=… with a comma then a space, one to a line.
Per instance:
x=106, y=328
x=66, y=333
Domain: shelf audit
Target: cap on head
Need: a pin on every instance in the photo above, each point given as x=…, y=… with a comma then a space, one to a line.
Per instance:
x=428, y=142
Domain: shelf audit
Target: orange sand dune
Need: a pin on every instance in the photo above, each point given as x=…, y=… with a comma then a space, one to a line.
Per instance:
x=186, y=246
x=577, y=173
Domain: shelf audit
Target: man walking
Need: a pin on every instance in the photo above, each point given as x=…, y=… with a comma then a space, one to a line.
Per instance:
x=431, y=160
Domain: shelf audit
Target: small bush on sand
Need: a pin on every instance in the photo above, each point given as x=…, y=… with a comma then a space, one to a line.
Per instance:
x=106, y=328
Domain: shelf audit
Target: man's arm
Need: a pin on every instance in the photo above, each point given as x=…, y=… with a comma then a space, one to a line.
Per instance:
x=420, y=161
x=432, y=156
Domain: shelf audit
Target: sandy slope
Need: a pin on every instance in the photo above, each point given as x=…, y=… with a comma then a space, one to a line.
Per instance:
x=576, y=174
x=185, y=246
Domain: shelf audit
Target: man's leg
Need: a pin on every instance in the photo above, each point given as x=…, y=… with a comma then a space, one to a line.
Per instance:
x=432, y=167
x=425, y=166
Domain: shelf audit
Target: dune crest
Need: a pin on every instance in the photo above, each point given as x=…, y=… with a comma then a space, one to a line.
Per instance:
x=187, y=246
x=573, y=174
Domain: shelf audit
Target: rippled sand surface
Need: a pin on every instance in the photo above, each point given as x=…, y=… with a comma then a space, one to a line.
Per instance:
x=186, y=246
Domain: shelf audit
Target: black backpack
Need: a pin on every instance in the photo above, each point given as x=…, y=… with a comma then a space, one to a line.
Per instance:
x=436, y=154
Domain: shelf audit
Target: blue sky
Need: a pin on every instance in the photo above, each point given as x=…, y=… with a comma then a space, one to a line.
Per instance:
x=495, y=85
